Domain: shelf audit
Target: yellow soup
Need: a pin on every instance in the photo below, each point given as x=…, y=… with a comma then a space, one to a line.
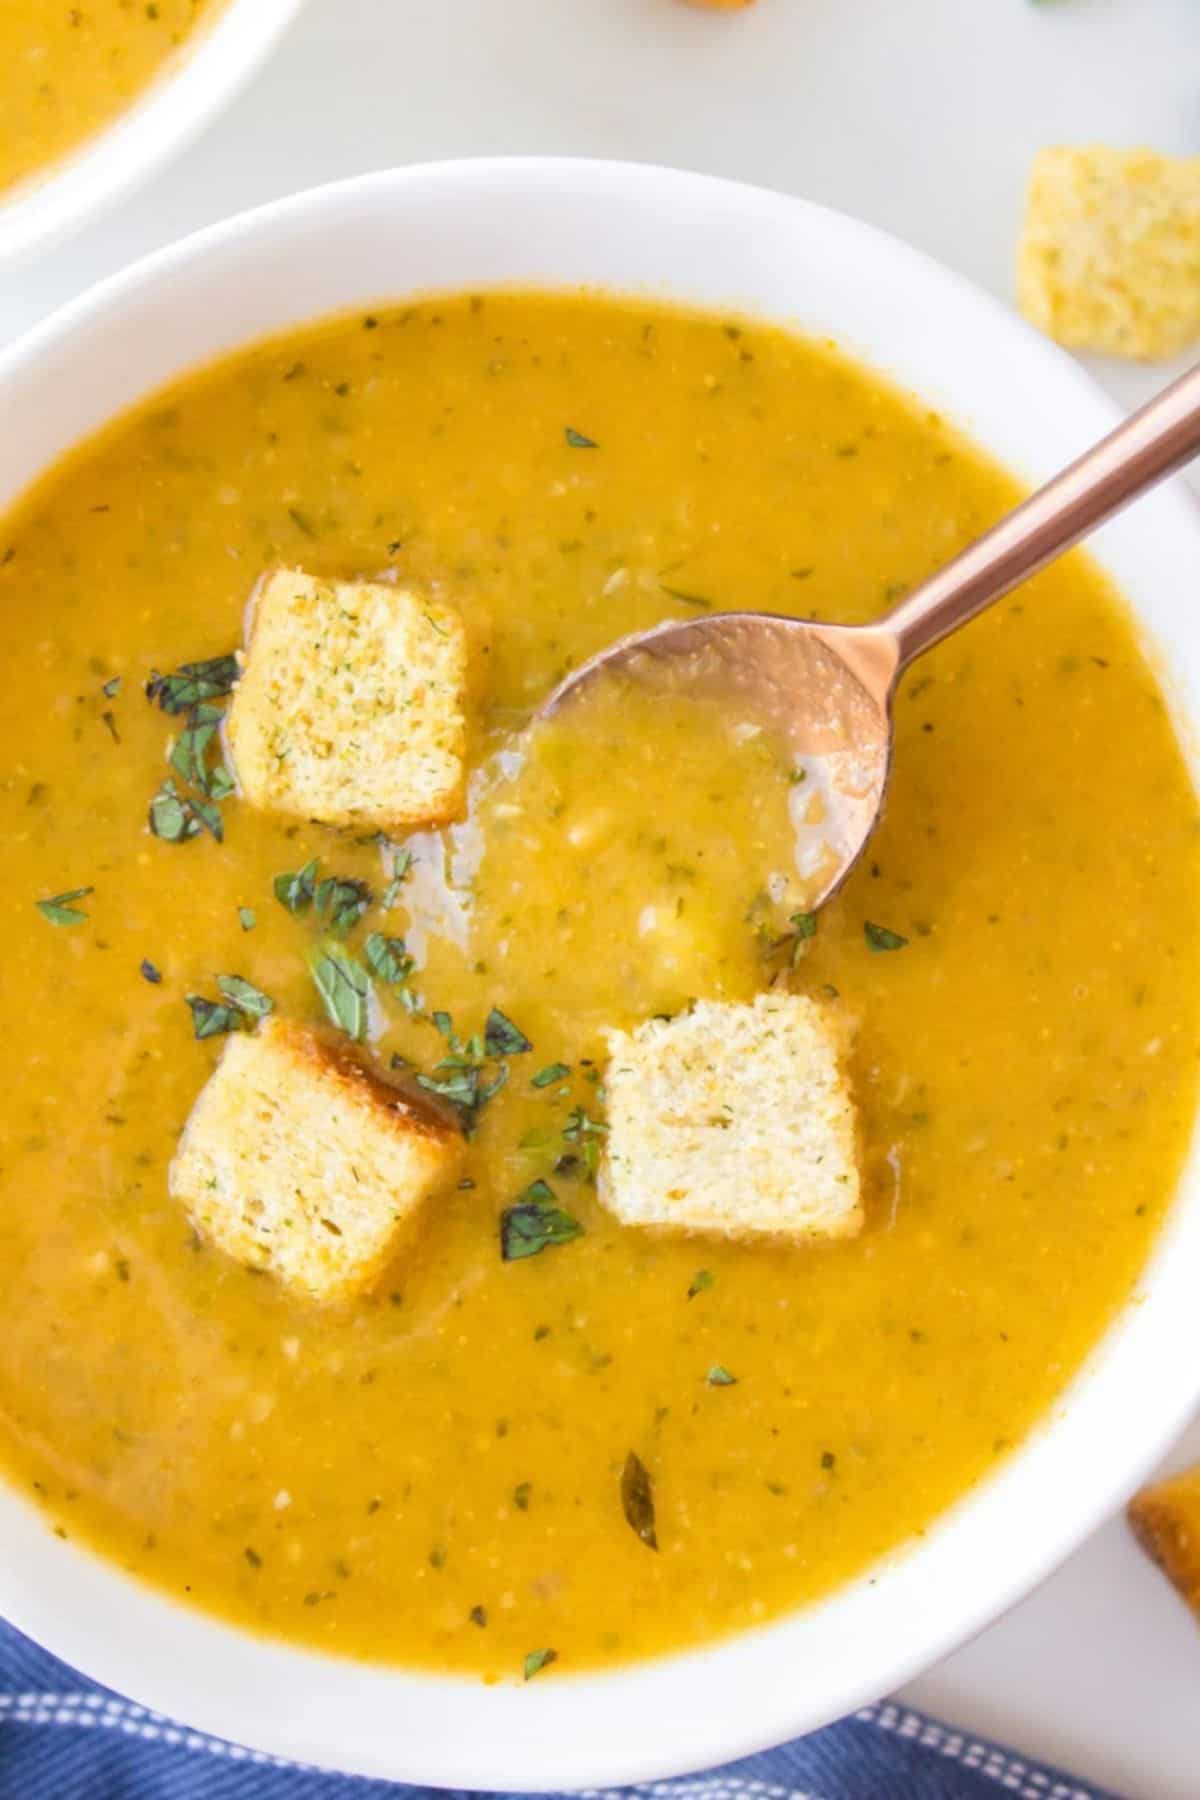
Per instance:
x=432, y=1475
x=66, y=71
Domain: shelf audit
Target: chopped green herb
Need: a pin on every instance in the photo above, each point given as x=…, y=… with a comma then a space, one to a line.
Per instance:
x=170, y=816
x=537, y=1660
x=719, y=1376
x=245, y=996
x=804, y=925
x=585, y=1131
x=577, y=441
x=341, y=901
x=702, y=1280
x=296, y=890
x=460, y=1088
x=211, y=1019
x=301, y=522
x=191, y=747
x=60, y=908
x=535, y=1222
x=697, y=600
x=248, y=917
x=521, y=1494
x=193, y=683
x=401, y=864
x=111, y=688
x=502, y=1038
x=551, y=1073
x=208, y=816
x=880, y=938
x=478, y=1616
x=150, y=973
x=345, y=988
x=637, y=1500
x=388, y=958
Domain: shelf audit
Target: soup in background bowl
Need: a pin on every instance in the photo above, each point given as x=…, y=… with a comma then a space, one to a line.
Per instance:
x=94, y=97
x=430, y=1478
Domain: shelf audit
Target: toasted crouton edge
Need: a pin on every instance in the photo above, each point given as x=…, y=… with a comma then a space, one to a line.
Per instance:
x=1165, y=1520
x=347, y=1078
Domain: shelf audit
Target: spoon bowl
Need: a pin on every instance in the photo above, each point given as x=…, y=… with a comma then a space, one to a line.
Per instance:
x=826, y=690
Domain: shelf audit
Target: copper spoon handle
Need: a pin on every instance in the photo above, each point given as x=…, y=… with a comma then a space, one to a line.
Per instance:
x=1152, y=444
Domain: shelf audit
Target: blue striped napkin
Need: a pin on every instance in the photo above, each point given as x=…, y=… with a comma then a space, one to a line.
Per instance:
x=64, y=1738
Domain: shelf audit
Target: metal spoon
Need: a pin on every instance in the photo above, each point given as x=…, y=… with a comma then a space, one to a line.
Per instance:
x=828, y=689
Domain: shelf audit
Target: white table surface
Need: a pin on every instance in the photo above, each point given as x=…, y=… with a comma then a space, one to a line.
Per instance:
x=920, y=115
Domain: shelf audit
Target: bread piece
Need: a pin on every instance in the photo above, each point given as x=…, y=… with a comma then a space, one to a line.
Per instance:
x=351, y=705
x=734, y=1118
x=1110, y=256
x=1166, y=1521
x=296, y=1159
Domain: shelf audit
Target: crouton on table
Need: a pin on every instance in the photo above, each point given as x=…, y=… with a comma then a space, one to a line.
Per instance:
x=351, y=705
x=734, y=1118
x=1110, y=256
x=298, y=1160
x=1166, y=1520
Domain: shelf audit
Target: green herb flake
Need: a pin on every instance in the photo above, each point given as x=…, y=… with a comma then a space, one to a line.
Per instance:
x=296, y=889
x=880, y=938
x=719, y=1376
x=247, y=917
x=111, y=688
x=341, y=901
x=345, y=988
x=535, y=1222
x=171, y=818
x=804, y=925
x=577, y=441
x=537, y=1660
x=586, y=1132
x=388, y=958
x=637, y=1500
x=478, y=1616
x=190, y=749
x=502, y=1038
x=702, y=1280
x=60, y=909
x=212, y=1019
x=401, y=865
x=550, y=1074
x=461, y=1088
x=150, y=973
x=521, y=1495
x=245, y=996
x=193, y=683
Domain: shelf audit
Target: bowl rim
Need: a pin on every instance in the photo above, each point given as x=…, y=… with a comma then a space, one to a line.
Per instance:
x=583, y=1737
x=195, y=83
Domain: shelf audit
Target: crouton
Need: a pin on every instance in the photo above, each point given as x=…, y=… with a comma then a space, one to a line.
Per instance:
x=351, y=705
x=298, y=1160
x=1110, y=255
x=736, y=1119
x=1166, y=1521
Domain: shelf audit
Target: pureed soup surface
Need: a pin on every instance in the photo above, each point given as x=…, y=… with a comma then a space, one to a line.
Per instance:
x=65, y=71
x=433, y=1475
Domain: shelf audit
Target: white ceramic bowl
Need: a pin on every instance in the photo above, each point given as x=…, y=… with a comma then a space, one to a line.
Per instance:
x=639, y=231
x=190, y=90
